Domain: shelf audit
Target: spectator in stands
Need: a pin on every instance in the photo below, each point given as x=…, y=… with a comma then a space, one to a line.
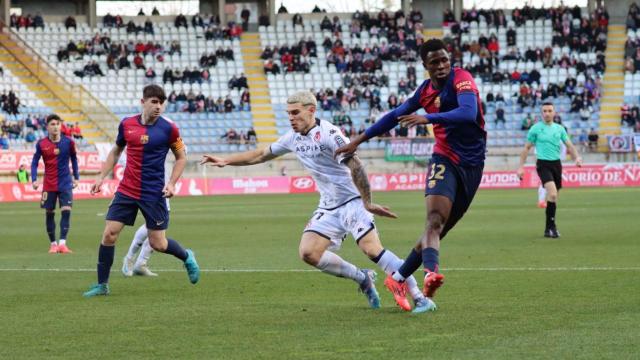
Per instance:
x=150, y=75
x=197, y=21
x=228, y=54
x=282, y=9
x=4, y=141
x=181, y=21
x=70, y=22
x=297, y=20
x=232, y=136
x=263, y=20
x=155, y=11
x=500, y=116
x=30, y=137
x=244, y=15
x=77, y=132
x=271, y=67
x=245, y=101
x=593, y=139
x=252, y=137
x=175, y=48
x=228, y=104
x=63, y=54
x=527, y=122
x=138, y=61
x=123, y=62
x=148, y=27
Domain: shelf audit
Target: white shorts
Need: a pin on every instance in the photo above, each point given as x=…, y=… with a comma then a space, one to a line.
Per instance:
x=335, y=224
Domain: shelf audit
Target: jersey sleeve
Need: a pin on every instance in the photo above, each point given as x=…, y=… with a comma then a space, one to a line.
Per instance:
x=463, y=82
x=120, y=140
x=335, y=141
x=563, y=134
x=282, y=145
x=34, y=162
x=532, y=136
x=73, y=155
x=175, y=141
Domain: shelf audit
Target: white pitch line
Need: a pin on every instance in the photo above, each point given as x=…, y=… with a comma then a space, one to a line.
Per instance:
x=494, y=269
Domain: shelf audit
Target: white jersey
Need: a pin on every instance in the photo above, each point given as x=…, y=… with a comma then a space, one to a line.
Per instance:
x=315, y=150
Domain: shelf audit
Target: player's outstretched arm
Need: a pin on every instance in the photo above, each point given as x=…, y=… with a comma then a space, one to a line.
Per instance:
x=386, y=123
x=246, y=158
x=361, y=180
x=107, y=166
x=523, y=159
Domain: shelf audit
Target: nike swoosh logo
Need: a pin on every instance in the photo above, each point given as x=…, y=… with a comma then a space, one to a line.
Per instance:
x=158, y=223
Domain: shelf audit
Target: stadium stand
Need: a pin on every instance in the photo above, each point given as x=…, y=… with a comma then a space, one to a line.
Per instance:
x=352, y=64
x=116, y=59
x=630, y=111
x=560, y=63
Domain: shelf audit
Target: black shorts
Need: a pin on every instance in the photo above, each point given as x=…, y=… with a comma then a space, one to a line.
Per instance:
x=458, y=183
x=550, y=170
x=124, y=209
x=48, y=200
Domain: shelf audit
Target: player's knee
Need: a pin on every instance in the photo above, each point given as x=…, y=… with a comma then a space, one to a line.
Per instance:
x=435, y=222
x=310, y=256
x=109, y=237
x=552, y=196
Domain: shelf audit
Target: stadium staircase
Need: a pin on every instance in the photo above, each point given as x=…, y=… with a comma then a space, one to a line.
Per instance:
x=264, y=120
x=613, y=84
x=72, y=103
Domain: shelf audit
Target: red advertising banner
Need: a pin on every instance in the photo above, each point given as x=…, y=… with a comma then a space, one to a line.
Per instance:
x=11, y=160
x=588, y=175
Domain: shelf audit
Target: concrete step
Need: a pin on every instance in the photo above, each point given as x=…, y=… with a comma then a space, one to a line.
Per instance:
x=262, y=116
x=264, y=124
x=266, y=131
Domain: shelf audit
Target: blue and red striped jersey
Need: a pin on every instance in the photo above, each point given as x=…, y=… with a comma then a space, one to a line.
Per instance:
x=147, y=147
x=56, y=157
x=458, y=127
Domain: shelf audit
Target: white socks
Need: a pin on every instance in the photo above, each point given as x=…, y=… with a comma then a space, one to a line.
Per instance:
x=390, y=263
x=333, y=264
x=542, y=194
x=145, y=254
x=138, y=239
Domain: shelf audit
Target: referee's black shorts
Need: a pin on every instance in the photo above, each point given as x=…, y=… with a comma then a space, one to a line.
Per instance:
x=550, y=170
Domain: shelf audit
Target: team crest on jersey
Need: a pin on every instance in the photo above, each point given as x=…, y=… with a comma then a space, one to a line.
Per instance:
x=436, y=102
x=432, y=184
x=332, y=131
x=144, y=138
x=56, y=151
x=316, y=137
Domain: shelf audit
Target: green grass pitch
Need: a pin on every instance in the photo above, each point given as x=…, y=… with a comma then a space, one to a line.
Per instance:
x=509, y=292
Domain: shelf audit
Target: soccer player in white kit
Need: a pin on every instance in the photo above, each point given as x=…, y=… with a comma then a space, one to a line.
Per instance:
x=345, y=200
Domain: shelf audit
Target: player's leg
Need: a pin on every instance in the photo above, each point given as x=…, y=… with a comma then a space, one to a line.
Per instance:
x=389, y=263
x=66, y=202
x=550, y=212
x=122, y=211
x=322, y=236
x=542, y=197
x=138, y=239
x=106, y=252
x=48, y=203
x=159, y=242
x=140, y=267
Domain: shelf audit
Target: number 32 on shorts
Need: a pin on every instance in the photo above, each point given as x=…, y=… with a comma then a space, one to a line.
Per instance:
x=436, y=173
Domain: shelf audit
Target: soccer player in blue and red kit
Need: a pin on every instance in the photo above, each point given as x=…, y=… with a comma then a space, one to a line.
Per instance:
x=56, y=150
x=148, y=137
x=453, y=106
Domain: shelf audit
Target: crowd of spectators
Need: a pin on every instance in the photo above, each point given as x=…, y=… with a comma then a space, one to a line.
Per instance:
x=232, y=136
x=584, y=35
x=31, y=128
x=9, y=102
x=27, y=21
x=195, y=103
x=630, y=116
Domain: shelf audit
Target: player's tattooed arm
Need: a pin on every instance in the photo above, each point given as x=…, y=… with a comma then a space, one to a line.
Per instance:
x=361, y=181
